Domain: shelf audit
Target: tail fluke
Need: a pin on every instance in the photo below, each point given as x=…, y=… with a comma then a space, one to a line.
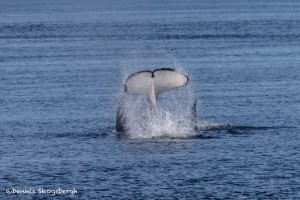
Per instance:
x=153, y=83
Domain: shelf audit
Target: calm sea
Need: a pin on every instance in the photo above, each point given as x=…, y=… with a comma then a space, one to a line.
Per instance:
x=62, y=65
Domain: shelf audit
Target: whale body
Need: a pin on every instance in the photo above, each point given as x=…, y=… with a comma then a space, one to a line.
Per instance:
x=150, y=84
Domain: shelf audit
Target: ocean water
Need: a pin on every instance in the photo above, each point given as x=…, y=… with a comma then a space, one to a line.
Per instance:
x=62, y=66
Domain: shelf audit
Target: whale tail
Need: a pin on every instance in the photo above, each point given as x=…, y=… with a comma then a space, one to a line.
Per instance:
x=153, y=83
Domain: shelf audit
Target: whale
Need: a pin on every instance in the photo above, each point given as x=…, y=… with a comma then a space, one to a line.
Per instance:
x=151, y=84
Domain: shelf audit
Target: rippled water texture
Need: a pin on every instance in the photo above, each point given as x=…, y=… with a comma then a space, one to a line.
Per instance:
x=62, y=66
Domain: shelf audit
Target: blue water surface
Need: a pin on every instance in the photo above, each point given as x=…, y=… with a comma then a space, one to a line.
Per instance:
x=62, y=65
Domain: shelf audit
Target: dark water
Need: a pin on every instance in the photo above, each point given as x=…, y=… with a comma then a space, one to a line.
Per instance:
x=61, y=68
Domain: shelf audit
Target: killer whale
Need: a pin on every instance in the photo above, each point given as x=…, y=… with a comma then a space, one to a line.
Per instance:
x=151, y=84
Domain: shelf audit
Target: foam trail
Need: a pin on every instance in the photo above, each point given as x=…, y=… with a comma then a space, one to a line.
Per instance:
x=206, y=125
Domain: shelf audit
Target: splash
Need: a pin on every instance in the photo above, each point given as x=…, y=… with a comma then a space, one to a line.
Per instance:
x=171, y=118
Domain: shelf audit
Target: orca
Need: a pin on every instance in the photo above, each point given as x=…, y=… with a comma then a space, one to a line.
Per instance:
x=151, y=84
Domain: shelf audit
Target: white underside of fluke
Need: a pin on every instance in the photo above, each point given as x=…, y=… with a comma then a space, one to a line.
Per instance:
x=154, y=83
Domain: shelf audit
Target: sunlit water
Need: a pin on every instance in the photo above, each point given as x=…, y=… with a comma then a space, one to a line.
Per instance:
x=62, y=66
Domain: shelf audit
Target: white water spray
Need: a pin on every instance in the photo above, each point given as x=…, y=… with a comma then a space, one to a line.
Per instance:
x=171, y=118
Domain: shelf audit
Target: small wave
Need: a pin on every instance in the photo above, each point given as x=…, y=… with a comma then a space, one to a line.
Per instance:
x=213, y=126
